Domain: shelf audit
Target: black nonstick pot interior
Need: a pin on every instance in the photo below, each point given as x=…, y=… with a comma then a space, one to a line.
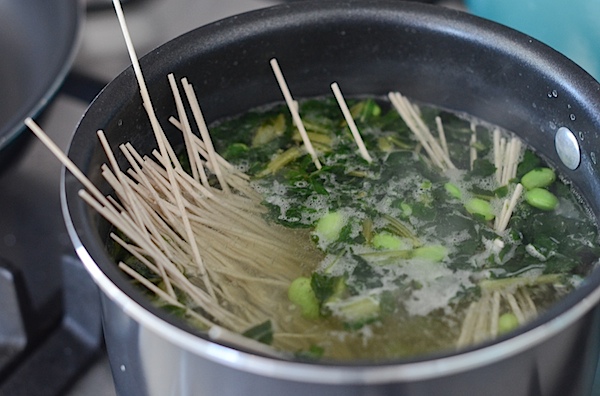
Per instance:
x=434, y=55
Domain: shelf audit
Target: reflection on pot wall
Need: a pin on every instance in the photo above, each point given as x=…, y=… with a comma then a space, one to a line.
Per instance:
x=570, y=27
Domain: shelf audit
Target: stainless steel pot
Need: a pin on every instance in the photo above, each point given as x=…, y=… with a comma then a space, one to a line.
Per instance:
x=434, y=55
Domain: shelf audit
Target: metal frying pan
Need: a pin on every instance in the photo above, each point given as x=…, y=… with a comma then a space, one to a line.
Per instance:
x=38, y=40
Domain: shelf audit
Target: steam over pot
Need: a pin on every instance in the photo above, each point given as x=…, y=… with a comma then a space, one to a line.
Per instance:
x=434, y=55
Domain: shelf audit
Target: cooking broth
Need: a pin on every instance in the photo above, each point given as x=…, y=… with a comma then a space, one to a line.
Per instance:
x=407, y=256
x=420, y=250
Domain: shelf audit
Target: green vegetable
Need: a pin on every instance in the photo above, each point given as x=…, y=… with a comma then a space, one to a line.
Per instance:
x=538, y=178
x=327, y=288
x=541, y=199
x=406, y=209
x=365, y=109
x=385, y=240
x=329, y=226
x=282, y=160
x=357, y=311
x=269, y=130
x=453, y=190
x=384, y=144
x=301, y=293
x=435, y=253
x=507, y=322
x=236, y=150
x=393, y=230
x=480, y=207
x=262, y=332
x=315, y=352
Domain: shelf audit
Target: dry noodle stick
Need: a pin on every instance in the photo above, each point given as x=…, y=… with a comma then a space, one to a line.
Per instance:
x=161, y=173
x=198, y=172
x=136, y=160
x=294, y=111
x=199, y=118
x=512, y=154
x=127, y=198
x=506, y=162
x=141, y=218
x=147, y=103
x=149, y=220
x=497, y=155
x=400, y=107
x=249, y=278
x=506, y=214
x=163, y=144
x=124, y=223
x=116, y=204
x=350, y=121
x=202, y=148
x=246, y=202
x=502, y=153
x=515, y=157
x=159, y=134
x=233, y=247
x=442, y=134
x=467, y=326
x=527, y=303
x=472, y=148
x=480, y=328
x=170, y=243
x=500, y=217
x=257, y=260
x=235, y=180
x=131, y=272
x=515, y=307
x=246, y=234
x=135, y=251
x=161, y=176
x=161, y=181
x=149, y=285
x=66, y=161
x=411, y=111
x=217, y=333
x=258, y=226
x=495, y=314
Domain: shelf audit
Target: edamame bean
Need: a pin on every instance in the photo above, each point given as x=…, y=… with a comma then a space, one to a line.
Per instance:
x=541, y=198
x=507, y=322
x=538, y=178
x=301, y=293
x=330, y=225
x=481, y=207
x=406, y=209
x=385, y=240
x=435, y=253
x=453, y=190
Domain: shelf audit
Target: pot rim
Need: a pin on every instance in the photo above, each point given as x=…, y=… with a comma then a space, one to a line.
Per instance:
x=531, y=335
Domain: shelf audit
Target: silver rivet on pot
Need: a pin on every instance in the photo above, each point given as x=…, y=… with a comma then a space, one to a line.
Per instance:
x=567, y=148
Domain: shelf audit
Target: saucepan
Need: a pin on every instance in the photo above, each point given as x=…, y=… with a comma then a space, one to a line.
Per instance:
x=432, y=54
x=38, y=43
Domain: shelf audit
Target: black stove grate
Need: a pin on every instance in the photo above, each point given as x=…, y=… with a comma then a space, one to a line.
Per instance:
x=39, y=354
